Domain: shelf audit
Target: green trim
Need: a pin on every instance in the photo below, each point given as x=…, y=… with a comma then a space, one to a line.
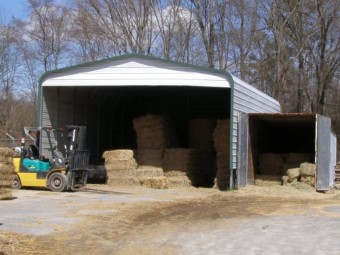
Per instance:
x=140, y=56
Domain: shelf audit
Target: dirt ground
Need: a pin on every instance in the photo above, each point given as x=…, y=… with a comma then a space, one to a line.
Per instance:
x=262, y=219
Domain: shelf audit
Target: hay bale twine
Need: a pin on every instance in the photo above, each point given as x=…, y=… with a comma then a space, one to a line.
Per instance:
x=160, y=182
x=307, y=169
x=293, y=174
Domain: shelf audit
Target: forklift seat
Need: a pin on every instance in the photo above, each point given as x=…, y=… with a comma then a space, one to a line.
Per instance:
x=33, y=152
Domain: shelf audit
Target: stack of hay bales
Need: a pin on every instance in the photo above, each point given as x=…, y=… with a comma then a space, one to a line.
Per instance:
x=271, y=164
x=6, y=173
x=179, y=166
x=305, y=173
x=200, y=138
x=120, y=167
x=154, y=132
x=221, y=138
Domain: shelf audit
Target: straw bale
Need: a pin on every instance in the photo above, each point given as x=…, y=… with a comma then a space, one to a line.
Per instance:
x=152, y=158
x=179, y=159
x=308, y=180
x=155, y=132
x=122, y=181
x=173, y=173
x=179, y=181
x=121, y=165
x=114, y=155
x=298, y=158
x=7, y=152
x=307, y=169
x=200, y=135
x=293, y=174
x=144, y=172
x=160, y=182
x=121, y=172
x=221, y=135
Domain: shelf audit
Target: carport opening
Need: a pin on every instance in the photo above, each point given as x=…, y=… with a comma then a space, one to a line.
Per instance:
x=113, y=110
x=279, y=142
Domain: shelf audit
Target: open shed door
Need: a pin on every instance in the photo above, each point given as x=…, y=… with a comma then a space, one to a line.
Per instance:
x=322, y=152
x=242, y=148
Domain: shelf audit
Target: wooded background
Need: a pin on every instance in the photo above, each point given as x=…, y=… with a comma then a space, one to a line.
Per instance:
x=289, y=49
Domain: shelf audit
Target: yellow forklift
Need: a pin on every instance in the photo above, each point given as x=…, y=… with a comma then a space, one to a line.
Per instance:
x=66, y=168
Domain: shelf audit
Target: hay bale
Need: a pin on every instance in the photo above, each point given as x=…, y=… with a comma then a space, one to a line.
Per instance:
x=180, y=159
x=155, y=132
x=6, y=173
x=221, y=139
x=114, y=155
x=145, y=172
x=221, y=136
x=160, y=182
x=293, y=174
x=121, y=165
x=270, y=164
x=307, y=169
x=200, y=134
x=150, y=158
x=179, y=181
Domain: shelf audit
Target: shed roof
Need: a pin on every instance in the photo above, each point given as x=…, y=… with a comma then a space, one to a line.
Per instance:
x=136, y=70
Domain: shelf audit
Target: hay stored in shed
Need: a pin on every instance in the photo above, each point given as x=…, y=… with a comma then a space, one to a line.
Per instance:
x=307, y=169
x=120, y=166
x=150, y=158
x=271, y=164
x=221, y=138
x=200, y=134
x=293, y=174
x=155, y=132
x=6, y=173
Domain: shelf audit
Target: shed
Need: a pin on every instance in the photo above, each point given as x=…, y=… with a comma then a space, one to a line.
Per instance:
x=291, y=138
x=106, y=95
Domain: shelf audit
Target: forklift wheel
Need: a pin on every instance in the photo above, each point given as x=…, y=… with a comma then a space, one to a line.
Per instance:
x=57, y=182
x=16, y=184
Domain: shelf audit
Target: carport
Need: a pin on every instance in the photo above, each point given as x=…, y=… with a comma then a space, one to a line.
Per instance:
x=106, y=95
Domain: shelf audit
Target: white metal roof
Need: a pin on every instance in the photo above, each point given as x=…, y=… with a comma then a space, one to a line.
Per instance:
x=136, y=72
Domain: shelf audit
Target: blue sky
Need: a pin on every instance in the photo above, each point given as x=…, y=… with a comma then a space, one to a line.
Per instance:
x=9, y=8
